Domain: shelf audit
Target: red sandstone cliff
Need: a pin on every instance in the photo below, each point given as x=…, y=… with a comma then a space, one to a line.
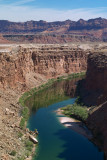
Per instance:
x=23, y=66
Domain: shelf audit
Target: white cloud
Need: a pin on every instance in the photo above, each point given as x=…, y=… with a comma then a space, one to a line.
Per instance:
x=22, y=2
x=25, y=13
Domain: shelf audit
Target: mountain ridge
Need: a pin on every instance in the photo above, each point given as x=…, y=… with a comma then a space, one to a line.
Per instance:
x=68, y=31
x=41, y=26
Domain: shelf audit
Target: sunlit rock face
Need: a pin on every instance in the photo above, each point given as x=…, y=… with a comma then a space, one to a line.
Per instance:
x=22, y=67
x=93, y=30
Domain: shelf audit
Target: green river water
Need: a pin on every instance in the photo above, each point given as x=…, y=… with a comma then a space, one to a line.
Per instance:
x=57, y=142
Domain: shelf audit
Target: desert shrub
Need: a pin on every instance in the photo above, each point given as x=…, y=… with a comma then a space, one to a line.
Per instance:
x=25, y=113
x=22, y=123
x=13, y=153
x=20, y=134
x=21, y=158
x=29, y=145
x=76, y=111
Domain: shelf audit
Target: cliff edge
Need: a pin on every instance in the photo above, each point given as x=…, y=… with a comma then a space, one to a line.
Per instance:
x=96, y=78
x=22, y=67
x=96, y=85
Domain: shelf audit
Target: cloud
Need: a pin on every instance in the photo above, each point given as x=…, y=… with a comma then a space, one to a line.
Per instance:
x=18, y=3
x=17, y=12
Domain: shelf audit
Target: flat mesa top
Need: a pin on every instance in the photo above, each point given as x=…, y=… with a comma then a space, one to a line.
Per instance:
x=52, y=47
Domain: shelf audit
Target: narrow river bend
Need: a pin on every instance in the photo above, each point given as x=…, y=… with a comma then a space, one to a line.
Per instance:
x=57, y=142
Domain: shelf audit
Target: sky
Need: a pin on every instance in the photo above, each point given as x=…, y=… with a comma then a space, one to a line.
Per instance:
x=52, y=10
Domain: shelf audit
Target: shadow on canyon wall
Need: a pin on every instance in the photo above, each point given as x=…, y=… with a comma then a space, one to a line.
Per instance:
x=97, y=120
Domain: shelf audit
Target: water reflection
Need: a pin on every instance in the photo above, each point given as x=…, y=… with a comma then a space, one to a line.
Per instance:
x=55, y=141
x=59, y=91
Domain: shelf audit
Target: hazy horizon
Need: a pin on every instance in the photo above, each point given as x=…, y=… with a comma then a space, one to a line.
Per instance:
x=48, y=21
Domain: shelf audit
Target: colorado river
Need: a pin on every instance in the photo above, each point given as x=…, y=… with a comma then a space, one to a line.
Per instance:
x=57, y=142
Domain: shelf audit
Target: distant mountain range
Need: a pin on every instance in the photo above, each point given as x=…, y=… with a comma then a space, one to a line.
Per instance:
x=59, y=27
x=92, y=28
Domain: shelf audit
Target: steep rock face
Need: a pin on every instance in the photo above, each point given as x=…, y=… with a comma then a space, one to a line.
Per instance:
x=96, y=79
x=24, y=65
x=97, y=122
x=96, y=85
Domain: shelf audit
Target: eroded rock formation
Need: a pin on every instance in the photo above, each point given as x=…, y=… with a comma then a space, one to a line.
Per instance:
x=23, y=66
x=54, y=32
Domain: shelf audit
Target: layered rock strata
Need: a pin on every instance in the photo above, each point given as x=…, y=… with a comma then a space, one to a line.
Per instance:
x=54, y=32
x=74, y=36
x=22, y=67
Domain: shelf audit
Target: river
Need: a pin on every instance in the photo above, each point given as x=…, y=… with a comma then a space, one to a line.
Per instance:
x=57, y=142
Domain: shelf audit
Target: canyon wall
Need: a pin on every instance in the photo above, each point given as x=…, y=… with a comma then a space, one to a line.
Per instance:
x=25, y=66
x=96, y=78
x=22, y=67
x=96, y=85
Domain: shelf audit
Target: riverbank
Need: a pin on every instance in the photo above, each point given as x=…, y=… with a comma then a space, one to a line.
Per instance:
x=12, y=137
x=11, y=134
x=29, y=94
x=74, y=124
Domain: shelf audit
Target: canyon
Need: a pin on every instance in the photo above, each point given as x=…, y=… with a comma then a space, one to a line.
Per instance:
x=92, y=30
x=23, y=67
x=26, y=66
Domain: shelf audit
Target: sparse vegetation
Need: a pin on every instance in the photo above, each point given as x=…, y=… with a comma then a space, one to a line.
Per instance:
x=13, y=153
x=20, y=134
x=25, y=113
x=21, y=158
x=22, y=123
x=76, y=75
x=71, y=76
x=29, y=145
x=25, y=110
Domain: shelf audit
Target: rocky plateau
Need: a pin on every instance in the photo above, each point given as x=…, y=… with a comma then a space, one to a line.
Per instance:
x=67, y=31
